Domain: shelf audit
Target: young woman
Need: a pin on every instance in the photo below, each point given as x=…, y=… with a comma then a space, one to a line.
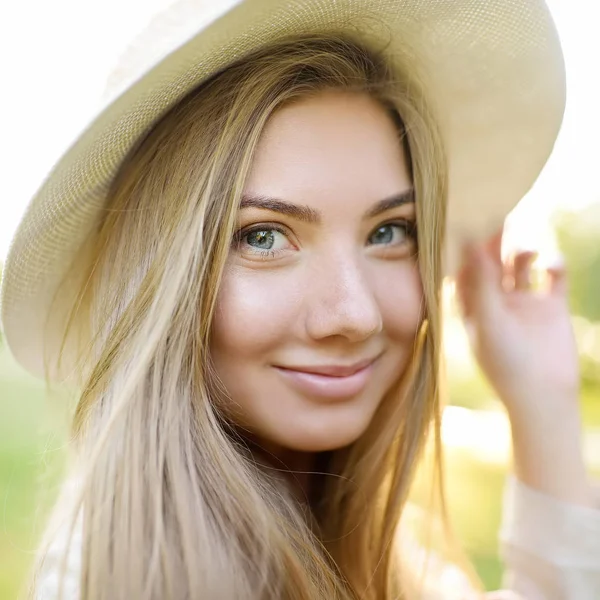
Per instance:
x=239, y=264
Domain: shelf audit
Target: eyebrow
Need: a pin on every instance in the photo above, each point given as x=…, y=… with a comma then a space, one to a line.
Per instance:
x=310, y=215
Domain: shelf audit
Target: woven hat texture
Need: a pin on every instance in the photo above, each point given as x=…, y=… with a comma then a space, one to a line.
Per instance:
x=492, y=70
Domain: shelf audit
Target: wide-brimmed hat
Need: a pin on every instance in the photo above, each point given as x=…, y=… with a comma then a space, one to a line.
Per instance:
x=492, y=72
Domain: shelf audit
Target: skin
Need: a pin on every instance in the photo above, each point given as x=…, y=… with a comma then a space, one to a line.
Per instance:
x=331, y=292
x=524, y=343
x=335, y=292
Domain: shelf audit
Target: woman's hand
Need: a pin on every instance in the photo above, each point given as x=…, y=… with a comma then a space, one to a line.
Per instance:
x=524, y=342
x=522, y=339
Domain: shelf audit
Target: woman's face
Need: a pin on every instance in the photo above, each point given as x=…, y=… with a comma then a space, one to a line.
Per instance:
x=321, y=297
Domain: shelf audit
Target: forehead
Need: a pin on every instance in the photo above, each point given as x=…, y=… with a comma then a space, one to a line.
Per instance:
x=330, y=148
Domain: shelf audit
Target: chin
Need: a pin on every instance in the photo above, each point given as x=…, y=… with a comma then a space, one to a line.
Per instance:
x=323, y=437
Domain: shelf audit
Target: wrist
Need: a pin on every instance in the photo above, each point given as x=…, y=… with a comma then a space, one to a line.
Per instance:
x=531, y=407
x=547, y=455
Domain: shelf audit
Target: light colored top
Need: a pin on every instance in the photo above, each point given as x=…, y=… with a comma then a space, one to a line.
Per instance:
x=551, y=551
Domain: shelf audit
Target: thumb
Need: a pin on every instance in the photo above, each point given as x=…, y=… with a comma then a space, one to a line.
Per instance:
x=479, y=284
x=488, y=280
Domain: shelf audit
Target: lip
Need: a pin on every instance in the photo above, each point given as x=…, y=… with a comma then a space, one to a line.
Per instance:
x=329, y=381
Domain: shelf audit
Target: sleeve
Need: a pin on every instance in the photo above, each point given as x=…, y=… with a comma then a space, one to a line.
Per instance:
x=551, y=549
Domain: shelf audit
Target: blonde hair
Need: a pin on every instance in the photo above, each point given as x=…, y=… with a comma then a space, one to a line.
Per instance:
x=173, y=504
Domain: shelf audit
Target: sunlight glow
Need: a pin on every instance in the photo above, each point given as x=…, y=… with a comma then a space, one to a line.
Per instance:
x=484, y=433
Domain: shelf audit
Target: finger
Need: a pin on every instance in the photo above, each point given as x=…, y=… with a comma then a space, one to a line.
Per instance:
x=460, y=283
x=557, y=276
x=465, y=280
x=522, y=269
x=490, y=268
x=493, y=250
x=494, y=246
x=483, y=289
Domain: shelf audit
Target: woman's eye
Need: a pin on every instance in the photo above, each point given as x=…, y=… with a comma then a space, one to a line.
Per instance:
x=263, y=240
x=392, y=234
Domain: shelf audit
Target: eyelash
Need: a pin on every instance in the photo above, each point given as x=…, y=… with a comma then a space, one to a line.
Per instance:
x=409, y=224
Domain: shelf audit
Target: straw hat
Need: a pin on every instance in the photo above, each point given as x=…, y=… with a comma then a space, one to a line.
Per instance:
x=492, y=70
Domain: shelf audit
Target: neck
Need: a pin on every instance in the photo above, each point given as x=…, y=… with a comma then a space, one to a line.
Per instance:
x=296, y=468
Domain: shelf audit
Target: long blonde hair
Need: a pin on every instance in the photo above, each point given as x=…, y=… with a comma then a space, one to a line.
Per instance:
x=172, y=503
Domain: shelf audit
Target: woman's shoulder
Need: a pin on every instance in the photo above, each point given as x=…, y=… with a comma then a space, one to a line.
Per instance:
x=441, y=579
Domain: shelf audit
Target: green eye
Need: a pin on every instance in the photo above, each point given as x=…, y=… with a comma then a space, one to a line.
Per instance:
x=263, y=239
x=391, y=233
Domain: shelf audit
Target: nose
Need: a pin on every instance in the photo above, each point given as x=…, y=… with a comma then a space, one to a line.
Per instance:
x=341, y=300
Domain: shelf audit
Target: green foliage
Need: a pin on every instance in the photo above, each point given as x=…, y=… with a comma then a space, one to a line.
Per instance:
x=578, y=235
x=32, y=439
x=1, y=338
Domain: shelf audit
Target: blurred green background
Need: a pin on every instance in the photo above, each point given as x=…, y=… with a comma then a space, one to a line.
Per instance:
x=33, y=427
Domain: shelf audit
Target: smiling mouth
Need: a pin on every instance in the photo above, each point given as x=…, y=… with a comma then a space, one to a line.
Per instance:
x=331, y=381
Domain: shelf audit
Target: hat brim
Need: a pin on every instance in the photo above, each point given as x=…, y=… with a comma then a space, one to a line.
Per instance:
x=492, y=71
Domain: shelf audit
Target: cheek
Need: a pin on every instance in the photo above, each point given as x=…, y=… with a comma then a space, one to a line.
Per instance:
x=253, y=313
x=400, y=299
